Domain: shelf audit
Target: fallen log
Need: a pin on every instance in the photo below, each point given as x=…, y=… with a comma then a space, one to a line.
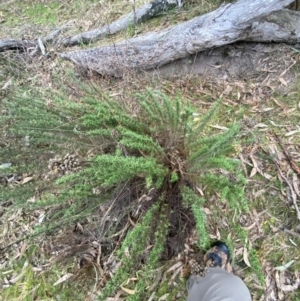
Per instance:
x=243, y=20
x=32, y=47
x=141, y=14
x=282, y=26
x=238, y=61
x=12, y=44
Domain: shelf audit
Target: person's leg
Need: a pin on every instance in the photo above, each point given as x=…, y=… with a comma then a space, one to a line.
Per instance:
x=218, y=284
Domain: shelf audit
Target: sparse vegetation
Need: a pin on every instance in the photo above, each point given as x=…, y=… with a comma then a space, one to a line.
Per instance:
x=161, y=146
x=105, y=181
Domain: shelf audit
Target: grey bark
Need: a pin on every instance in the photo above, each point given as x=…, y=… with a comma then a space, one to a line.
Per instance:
x=241, y=60
x=141, y=14
x=32, y=47
x=281, y=26
x=243, y=20
x=12, y=44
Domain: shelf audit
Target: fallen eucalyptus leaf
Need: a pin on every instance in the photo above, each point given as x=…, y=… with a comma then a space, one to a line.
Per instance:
x=285, y=266
x=292, y=242
x=291, y=133
x=26, y=180
x=245, y=257
x=63, y=279
x=127, y=290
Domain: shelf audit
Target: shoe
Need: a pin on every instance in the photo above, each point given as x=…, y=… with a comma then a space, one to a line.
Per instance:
x=217, y=256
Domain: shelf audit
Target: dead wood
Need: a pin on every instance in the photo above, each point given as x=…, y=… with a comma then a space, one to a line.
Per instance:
x=139, y=15
x=32, y=47
x=243, y=20
x=12, y=44
x=241, y=60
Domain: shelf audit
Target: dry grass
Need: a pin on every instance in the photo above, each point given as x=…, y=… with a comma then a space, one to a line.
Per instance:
x=267, y=107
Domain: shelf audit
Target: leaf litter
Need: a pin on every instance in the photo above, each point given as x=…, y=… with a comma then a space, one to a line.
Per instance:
x=265, y=113
x=278, y=283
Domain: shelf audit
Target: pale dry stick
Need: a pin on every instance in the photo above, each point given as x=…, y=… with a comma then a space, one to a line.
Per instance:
x=55, y=33
x=35, y=46
x=152, y=296
x=157, y=279
x=110, y=207
x=97, y=278
x=49, y=39
x=136, y=16
x=294, y=196
x=175, y=274
x=287, y=69
x=278, y=230
x=177, y=265
x=42, y=46
x=292, y=233
x=122, y=231
x=292, y=163
x=126, y=226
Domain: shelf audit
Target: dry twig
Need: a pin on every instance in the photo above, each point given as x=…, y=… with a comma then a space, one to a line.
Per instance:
x=294, y=196
x=292, y=163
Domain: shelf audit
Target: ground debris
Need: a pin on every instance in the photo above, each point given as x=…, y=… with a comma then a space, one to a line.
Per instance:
x=65, y=165
x=278, y=283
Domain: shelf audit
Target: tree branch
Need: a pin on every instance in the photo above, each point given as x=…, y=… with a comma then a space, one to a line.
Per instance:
x=141, y=14
x=12, y=44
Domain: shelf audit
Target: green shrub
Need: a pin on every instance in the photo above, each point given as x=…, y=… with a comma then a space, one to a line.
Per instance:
x=153, y=143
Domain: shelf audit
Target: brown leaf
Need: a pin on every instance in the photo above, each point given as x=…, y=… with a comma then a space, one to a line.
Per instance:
x=265, y=175
x=31, y=200
x=250, y=227
x=63, y=279
x=200, y=191
x=245, y=257
x=206, y=211
x=283, y=81
x=177, y=265
x=127, y=290
x=26, y=180
x=291, y=133
x=253, y=172
x=281, y=278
